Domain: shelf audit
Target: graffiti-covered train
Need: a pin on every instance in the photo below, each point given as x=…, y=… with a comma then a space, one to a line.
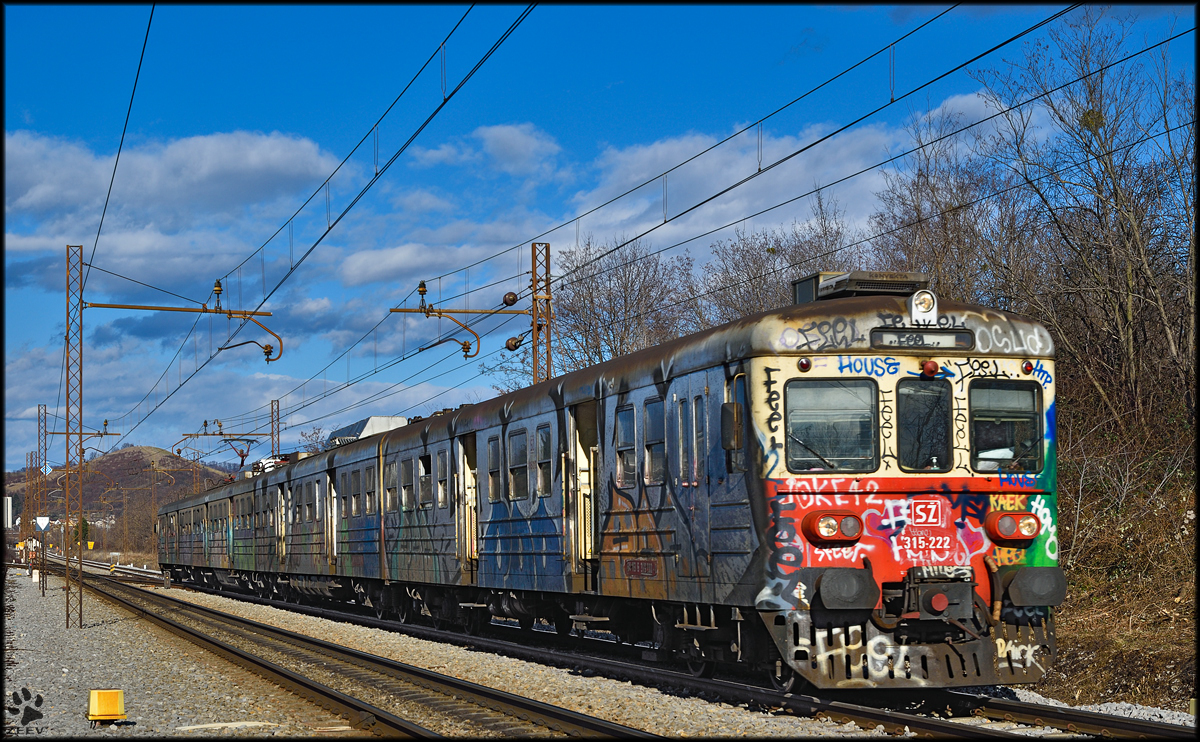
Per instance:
x=856, y=490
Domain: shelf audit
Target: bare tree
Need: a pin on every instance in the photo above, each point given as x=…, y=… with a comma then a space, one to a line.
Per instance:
x=1112, y=176
x=929, y=216
x=313, y=440
x=753, y=271
x=609, y=303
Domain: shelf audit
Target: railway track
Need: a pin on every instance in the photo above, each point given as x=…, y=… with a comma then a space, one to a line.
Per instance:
x=937, y=713
x=932, y=713
x=364, y=688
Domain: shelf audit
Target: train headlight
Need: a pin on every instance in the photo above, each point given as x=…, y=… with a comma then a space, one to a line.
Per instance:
x=1028, y=526
x=1017, y=529
x=851, y=526
x=832, y=527
x=1007, y=527
x=922, y=308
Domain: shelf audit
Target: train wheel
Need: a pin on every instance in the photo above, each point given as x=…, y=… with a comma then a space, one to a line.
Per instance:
x=526, y=624
x=701, y=668
x=404, y=610
x=563, y=624
x=782, y=676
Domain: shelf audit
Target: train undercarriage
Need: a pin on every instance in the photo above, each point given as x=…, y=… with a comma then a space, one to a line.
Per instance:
x=828, y=648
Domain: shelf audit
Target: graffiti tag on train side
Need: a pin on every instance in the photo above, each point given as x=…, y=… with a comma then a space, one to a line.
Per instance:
x=838, y=332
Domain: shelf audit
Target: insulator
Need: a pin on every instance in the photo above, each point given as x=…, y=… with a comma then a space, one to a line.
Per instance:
x=509, y=299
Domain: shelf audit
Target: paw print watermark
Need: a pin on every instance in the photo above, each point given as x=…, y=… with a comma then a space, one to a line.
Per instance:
x=25, y=708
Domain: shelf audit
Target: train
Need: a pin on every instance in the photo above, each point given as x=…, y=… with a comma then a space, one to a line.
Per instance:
x=857, y=490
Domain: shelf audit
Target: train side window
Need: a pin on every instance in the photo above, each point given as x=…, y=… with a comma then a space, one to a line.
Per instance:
x=518, y=465
x=369, y=497
x=701, y=458
x=442, y=474
x=345, y=495
x=654, y=429
x=317, y=501
x=1006, y=429
x=406, y=484
x=493, y=469
x=736, y=391
x=626, y=456
x=356, y=492
x=425, y=471
x=389, y=486
x=544, y=468
x=923, y=417
x=309, y=503
x=290, y=510
x=684, y=435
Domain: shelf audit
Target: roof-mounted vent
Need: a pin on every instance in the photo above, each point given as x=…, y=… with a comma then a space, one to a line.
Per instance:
x=364, y=428
x=838, y=285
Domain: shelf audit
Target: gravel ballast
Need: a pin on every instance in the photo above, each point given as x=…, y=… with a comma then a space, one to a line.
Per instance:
x=168, y=683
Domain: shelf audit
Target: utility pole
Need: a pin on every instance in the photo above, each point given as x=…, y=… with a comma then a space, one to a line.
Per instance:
x=275, y=428
x=73, y=484
x=540, y=314
x=540, y=287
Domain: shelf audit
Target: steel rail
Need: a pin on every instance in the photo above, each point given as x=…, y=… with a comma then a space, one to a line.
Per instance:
x=868, y=717
x=864, y=713
x=526, y=709
x=360, y=714
x=1070, y=719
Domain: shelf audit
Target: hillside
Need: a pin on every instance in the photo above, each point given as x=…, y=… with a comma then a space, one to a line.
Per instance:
x=119, y=480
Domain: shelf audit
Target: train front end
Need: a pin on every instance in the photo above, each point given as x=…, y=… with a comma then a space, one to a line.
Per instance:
x=909, y=476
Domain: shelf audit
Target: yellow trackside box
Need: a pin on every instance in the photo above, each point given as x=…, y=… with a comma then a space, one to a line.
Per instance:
x=106, y=705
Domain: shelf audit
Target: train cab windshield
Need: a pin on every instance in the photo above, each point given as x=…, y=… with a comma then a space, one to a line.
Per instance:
x=1006, y=430
x=923, y=424
x=831, y=426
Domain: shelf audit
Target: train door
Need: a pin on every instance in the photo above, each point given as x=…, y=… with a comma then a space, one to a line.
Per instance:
x=281, y=520
x=690, y=471
x=331, y=519
x=466, y=515
x=579, y=496
x=205, y=535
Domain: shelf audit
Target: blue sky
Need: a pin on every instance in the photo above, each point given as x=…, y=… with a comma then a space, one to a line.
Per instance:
x=242, y=112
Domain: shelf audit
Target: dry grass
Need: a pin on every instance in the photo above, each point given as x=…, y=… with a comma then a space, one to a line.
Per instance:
x=1127, y=529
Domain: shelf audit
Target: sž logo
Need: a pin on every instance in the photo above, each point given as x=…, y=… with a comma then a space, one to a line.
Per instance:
x=926, y=512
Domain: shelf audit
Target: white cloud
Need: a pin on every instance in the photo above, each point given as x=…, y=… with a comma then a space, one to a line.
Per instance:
x=421, y=201
x=172, y=184
x=519, y=150
x=405, y=263
x=736, y=160
x=445, y=154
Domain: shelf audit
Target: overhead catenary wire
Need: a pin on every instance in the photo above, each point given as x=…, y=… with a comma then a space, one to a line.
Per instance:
x=104, y=211
x=383, y=394
x=760, y=212
x=662, y=175
x=290, y=220
x=835, y=132
x=889, y=160
x=1042, y=23
x=929, y=217
x=508, y=32
x=704, y=151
